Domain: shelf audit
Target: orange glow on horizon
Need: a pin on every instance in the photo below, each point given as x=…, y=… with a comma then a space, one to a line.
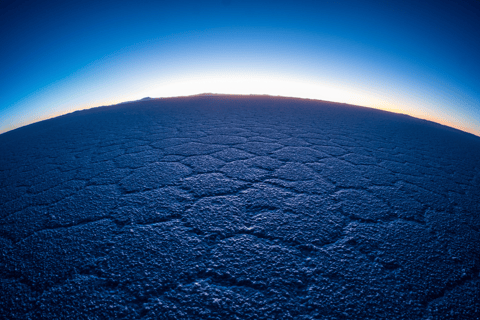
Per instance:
x=106, y=103
x=66, y=99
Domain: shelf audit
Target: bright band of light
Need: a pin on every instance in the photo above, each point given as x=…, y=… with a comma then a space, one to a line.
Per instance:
x=112, y=92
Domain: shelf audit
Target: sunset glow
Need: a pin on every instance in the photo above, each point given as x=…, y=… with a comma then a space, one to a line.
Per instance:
x=363, y=55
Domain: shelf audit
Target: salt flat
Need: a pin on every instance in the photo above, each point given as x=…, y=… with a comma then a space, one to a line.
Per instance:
x=239, y=207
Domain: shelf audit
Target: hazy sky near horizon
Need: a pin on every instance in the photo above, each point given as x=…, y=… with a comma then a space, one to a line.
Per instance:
x=415, y=57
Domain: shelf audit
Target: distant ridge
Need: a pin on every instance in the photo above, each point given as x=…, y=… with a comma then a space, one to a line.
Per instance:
x=250, y=96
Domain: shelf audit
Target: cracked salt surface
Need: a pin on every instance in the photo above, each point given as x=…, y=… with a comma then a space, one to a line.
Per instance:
x=239, y=207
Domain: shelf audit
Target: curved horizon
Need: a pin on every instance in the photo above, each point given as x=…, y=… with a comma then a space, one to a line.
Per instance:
x=418, y=59
x=206, y=94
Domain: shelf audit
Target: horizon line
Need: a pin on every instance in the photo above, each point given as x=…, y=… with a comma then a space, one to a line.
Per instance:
x=210, y=94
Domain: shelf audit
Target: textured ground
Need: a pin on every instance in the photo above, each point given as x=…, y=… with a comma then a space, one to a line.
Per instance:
x=218, y=207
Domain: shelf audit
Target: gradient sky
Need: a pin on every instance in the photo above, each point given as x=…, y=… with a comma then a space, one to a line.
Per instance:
x=415, y=57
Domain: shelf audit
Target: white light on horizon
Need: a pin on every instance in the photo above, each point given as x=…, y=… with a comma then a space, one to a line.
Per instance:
x=69, y=98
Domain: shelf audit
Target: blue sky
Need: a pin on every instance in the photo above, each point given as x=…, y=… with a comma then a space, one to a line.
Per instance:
x=418, y=58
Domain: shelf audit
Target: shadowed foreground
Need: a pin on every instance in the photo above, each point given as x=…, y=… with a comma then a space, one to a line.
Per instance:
x=239, y=207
